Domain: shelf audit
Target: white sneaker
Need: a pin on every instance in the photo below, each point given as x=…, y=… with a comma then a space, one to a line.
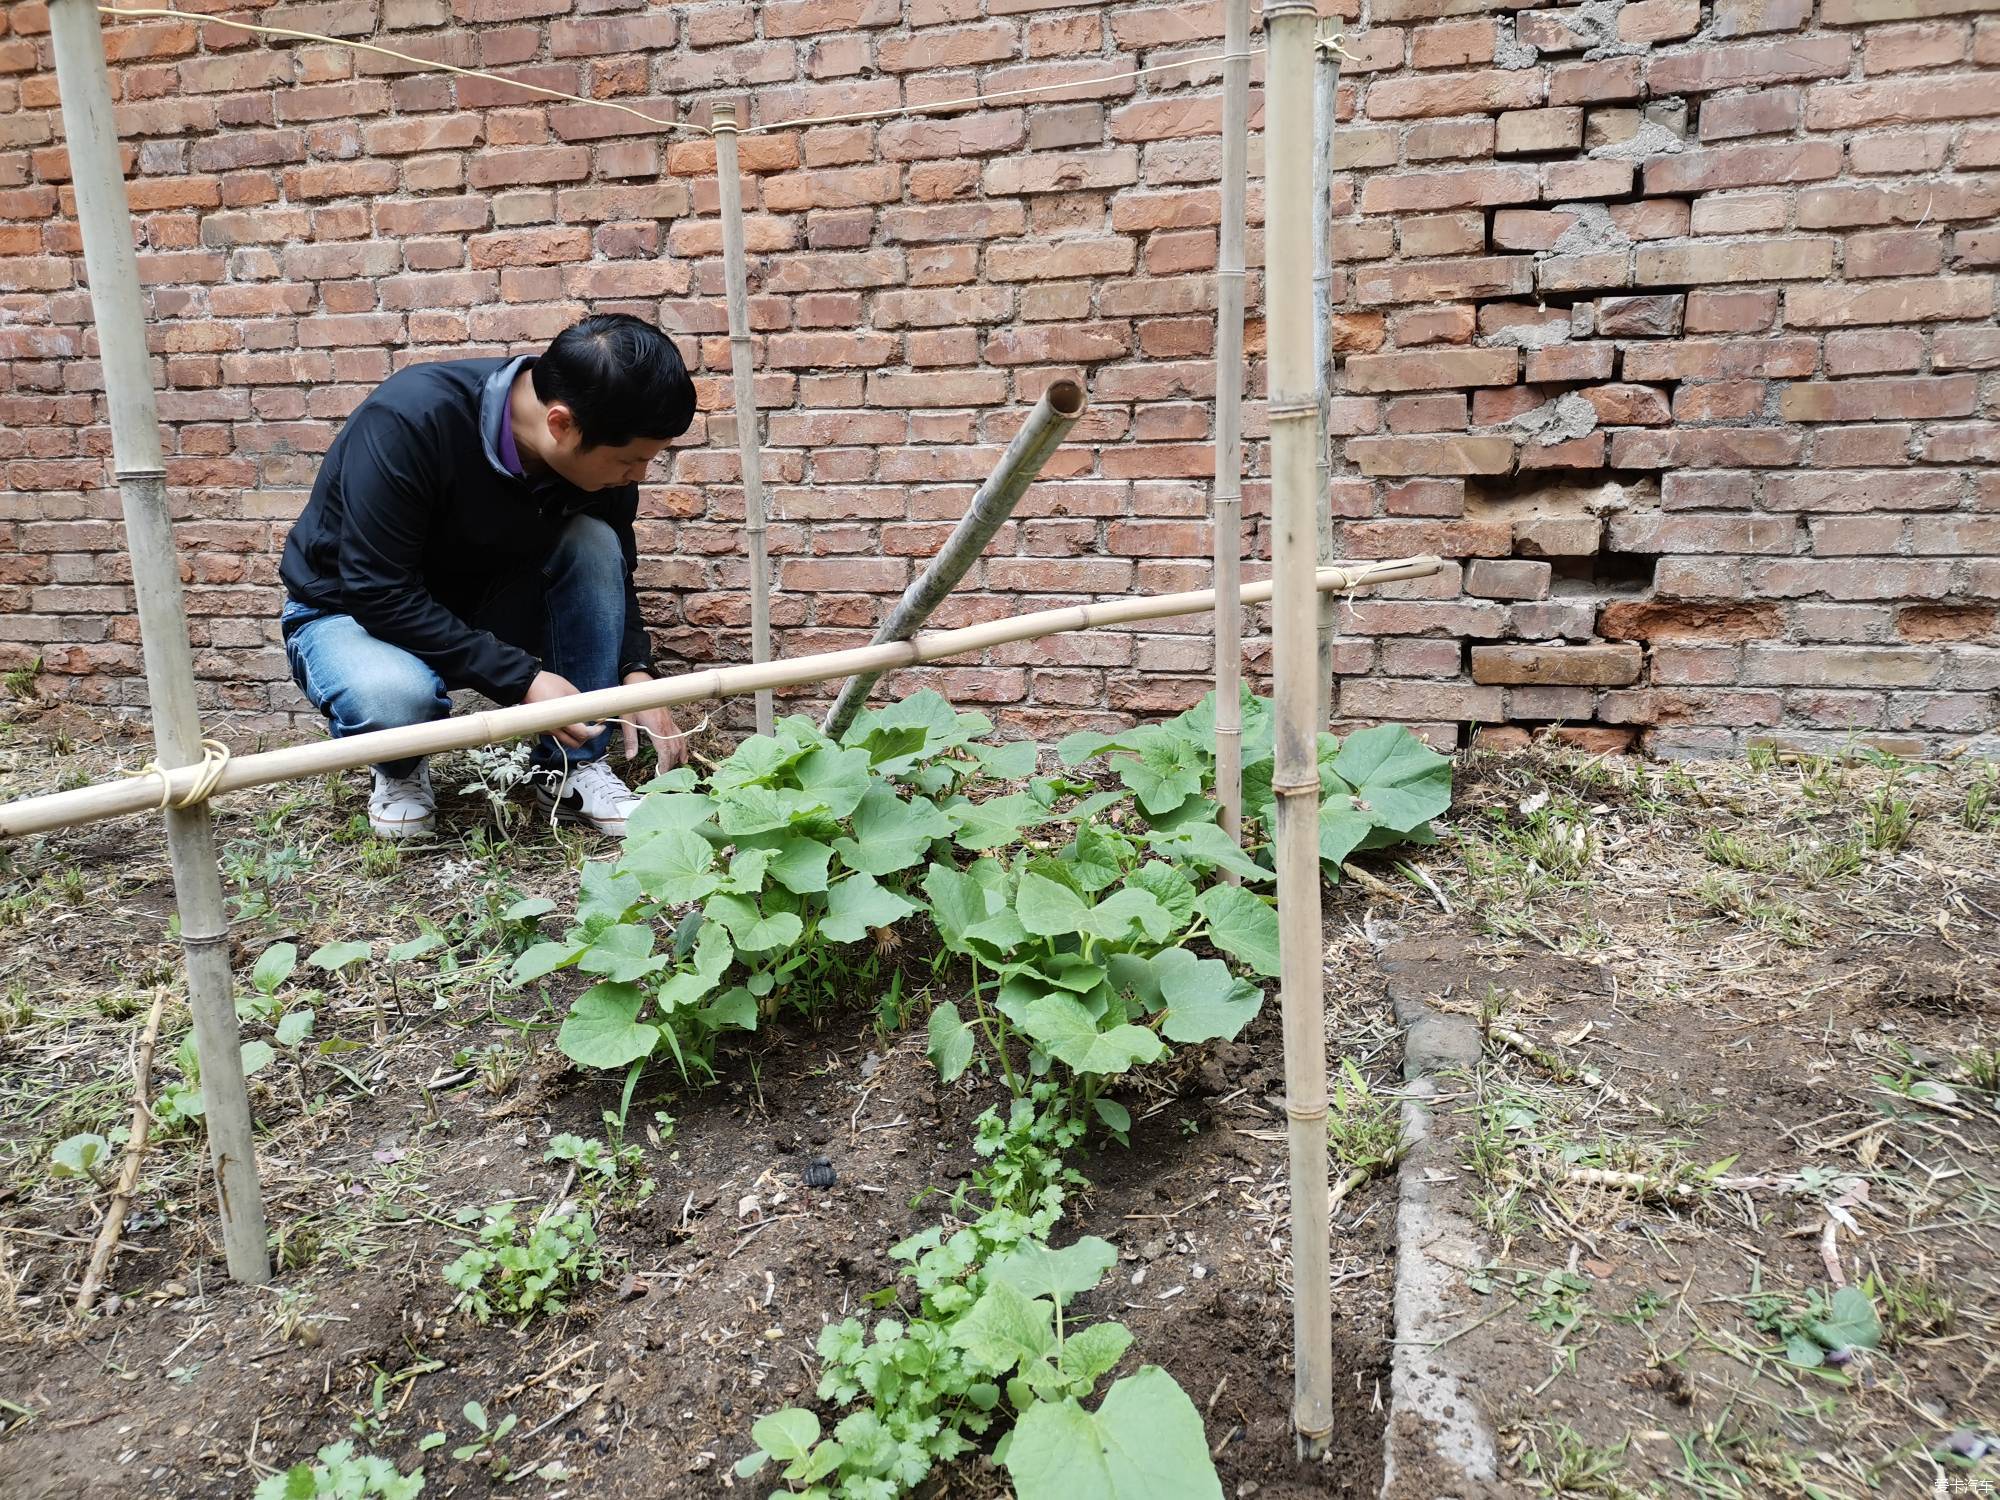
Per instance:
x=402, y=807
x=592, y=795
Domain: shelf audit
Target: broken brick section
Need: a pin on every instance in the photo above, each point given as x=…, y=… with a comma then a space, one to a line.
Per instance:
x=1670, y=323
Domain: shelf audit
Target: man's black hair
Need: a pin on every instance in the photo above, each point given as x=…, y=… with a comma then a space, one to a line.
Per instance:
x=620, y=376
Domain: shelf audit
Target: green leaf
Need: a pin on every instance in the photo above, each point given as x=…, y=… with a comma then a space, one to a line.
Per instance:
x=1008, y=762
x=295, y=1483
x=1035, y=1270
x=660, y=812
x=1166, y=885
x=1094, y=861
x=1005, y=1328
x=416, y=947
x=527, y=909
x=295, y=1026
x=786, y=1435
x=891, y=751
x=752, y=930
x=735, y=1011
x=605, y=893
x=1243, y=925
x=890, y=833
x=996, y=821
x=1049, y=909
x=836, y=778
x=1400, y=779
x=1090, y=1353
x=1115, y=1116
x=603, y=1029
x=1164, y=774
x=951, y=1042
x=673, y=867
x=623, y=954
x=1085, y=744
x=1065, y=1030
x=256, y=1056
x=1208, y=846
x=859, y=903
x=1342, y=830
x=964, y=908
x=333, y=957
x=1145, y=1442
x=543, y=959
x=1125, y=912
x=274, y=966
x=1204, y=1001
x=1803, y=1352
x=1852, y=1323
x=78, y=1156
x=799, y=864
x=761, y=809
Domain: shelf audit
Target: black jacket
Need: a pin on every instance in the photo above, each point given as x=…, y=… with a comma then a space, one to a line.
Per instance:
x=414, y=521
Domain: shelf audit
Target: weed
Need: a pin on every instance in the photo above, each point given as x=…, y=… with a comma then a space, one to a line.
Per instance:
x=343, y=1473
x=1364, y=1128
x=1888, y=820
x=484, y=1447
x=519, y=1272
x=604, y=1172
x=1817, y=861
x=1982, y=801
x=1913, y=1307
x=1563, y=1462
x=1023, y=1154
x=1734, y=850
x=20, y=681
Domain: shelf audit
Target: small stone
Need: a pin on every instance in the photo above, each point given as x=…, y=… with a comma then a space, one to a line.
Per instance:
x=819, y=1173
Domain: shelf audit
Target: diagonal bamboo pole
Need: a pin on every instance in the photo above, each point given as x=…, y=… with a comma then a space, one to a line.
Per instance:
x=1294, y=411
x=131, y=794
x=1228, y=492
x=1326, y=100
x=736, y=285
x=1047, y=425
x=104, y=216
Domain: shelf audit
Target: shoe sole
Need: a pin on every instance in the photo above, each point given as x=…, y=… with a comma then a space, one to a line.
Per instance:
x=415, y=828
x=577, y=817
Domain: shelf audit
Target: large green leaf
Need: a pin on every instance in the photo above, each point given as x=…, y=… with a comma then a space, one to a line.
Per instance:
x=1094, y=859
x=951, y=1043
x=543, y=959
x=623, y=953
x=858, y=903
x=1166, y=885
x=891, y=833
x=752, y=930
x=1008, y=762
x=762, y=809
x=1164, y=774
x=1398, y=779
x=972, y=916
x=1243, y=925
x=1048, y=908
x=1126, y=913
x=674, y=866
x=996, y=821
x=1066, y=1031
x=837, y=778
x=603, y=1029
x=1851, y=1323
x=799, y=864
x=1005, y=1328
x=274, y=966
x=1208, y=847
x=786, y=1435
x=1074, y=749
x=1035, y=1270
x=658, y=812
x=1342, y=828
x=1204, y=1001
x=333, y=957
x=1090, y=1352
x=1145, y=1442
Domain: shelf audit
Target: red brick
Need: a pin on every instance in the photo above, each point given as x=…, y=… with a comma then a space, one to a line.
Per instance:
x=1742, y=166
x=1452, y=44
x=1889, y=302
x=1628, y=405
x=1713, y=68
x=1582, y=666
x=1948, y=198
x=1445, y=280
x=1705, y=447
x=1530, y=228
x=1712, y=310
x=1443, y=140
x=1596, y=82
x=1523, y=132
x=1507, y=578
x=1767, y=112
x=1424, y=192
x=1569, y=363
x=1431, y=455
x=1431, y=371
x=1564, y=181
x=1864, y=400
x=1720, y=401
x=1438, y=94
x=1692, y=263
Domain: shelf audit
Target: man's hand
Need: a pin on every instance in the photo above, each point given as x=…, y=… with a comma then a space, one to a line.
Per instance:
x=548, y=685
x=661, y=729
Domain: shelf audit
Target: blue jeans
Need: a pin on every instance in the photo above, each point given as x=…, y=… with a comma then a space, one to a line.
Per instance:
x=570, y=612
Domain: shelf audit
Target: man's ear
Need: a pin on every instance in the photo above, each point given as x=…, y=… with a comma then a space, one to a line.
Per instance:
x=563, y=425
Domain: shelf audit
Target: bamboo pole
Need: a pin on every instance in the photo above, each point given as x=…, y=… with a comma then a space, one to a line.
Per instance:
x=130, y=794
x=104, y=216
x=736, y=285
x=1047, y=425
x=1326, y=98
x=1294, y=411
x=1227, y=496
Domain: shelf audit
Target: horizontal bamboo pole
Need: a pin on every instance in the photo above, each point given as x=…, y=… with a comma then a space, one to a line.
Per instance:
x=132, y=794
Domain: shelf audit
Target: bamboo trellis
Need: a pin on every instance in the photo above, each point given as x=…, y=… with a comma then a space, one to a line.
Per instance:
x=1228, y=493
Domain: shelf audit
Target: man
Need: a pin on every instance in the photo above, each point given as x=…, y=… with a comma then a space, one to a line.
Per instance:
x=471, y=527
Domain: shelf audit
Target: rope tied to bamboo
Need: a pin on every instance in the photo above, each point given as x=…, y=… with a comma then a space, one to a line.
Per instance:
x=207, y=772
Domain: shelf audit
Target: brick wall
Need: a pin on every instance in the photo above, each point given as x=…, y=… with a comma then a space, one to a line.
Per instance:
x=1671, y=320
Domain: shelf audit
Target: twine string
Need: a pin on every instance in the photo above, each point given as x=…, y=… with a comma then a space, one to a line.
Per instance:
x=207, y=772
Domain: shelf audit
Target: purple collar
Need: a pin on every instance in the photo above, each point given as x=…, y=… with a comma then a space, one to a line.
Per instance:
x=509, y=454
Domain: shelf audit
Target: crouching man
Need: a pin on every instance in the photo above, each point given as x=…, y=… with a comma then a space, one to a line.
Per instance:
x=471, y=527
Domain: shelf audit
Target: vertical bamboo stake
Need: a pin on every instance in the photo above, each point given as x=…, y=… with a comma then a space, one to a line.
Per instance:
x=104, y=215
x=1228, y=493
x=1047, y=425
x=736, y=284
x=1326, y=95
x=1294, y=409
